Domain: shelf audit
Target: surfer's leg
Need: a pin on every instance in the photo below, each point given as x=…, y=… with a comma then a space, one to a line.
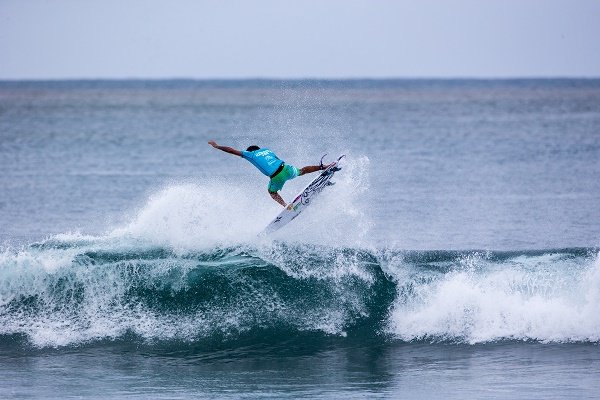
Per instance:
x=277, y=198
x=275, y=185
x=313, y=168
x=309, y=169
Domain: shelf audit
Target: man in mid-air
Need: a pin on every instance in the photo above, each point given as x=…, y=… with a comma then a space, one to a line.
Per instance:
x=269, y=164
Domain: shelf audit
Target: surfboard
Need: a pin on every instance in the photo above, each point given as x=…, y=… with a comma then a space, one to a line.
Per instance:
x=304, y=198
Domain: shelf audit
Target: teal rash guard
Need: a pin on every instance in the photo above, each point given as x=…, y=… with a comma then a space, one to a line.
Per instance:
x=264, y=159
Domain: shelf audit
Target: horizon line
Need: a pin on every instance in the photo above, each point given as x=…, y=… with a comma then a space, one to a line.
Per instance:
x=299, y=79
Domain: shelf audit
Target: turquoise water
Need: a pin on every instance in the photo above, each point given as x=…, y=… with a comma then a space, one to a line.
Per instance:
x=457, y=254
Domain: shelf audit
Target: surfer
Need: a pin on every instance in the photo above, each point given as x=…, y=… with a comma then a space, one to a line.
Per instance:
x=272, y=166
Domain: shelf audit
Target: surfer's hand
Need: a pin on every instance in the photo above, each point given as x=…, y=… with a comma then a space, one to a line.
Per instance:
x=213, y=143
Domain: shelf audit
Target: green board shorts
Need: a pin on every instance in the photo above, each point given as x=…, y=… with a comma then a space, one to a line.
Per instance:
x=288, y=172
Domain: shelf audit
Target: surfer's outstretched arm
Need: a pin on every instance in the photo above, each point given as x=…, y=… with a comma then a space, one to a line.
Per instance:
x=278, y=198
x=226, y=149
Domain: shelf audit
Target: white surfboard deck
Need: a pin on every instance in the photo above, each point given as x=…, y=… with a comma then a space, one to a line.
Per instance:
x=303, y=199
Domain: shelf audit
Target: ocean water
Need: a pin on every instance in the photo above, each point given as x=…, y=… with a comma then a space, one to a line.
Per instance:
x=457, y=255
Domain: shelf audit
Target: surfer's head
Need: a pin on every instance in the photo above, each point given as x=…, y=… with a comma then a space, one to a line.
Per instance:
x=253, y=147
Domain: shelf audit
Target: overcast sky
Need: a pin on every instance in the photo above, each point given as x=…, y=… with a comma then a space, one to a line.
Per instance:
x=296, y=39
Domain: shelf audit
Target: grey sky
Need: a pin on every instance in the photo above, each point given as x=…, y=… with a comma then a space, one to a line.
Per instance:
x=295, y=39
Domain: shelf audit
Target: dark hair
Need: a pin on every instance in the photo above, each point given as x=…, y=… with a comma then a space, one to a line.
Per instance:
x=252, y=148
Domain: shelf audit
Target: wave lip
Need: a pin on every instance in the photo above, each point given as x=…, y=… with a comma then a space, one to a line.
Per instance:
x=59, y=294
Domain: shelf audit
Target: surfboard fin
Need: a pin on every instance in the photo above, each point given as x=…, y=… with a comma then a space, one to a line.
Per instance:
x=321, y=162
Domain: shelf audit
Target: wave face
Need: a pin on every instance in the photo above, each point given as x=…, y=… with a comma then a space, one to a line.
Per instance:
x=74, y=290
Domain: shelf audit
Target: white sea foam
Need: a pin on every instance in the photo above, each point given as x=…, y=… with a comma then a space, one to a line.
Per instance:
x=199, y=215
x=546, y=298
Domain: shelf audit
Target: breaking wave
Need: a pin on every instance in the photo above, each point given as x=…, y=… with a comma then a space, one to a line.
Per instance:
x=74, y=290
